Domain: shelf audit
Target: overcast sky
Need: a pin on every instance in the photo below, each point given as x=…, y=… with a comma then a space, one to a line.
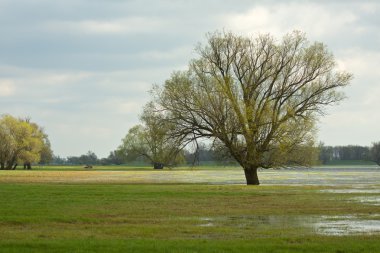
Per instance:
x=83, y=69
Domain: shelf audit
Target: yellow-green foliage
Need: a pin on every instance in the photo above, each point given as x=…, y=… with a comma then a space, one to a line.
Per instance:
x=152, y=141
x=21, y=141
x=259, y=97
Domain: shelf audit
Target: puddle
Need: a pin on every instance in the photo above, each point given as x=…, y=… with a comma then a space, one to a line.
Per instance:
x=250, y=221
x=322, y=225
x=207, y=222
x=345, y=225
x=370, y=200
x=351, y=190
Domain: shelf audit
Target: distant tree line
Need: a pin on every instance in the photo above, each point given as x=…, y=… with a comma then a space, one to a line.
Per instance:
x=328, y=154
x=25, y=143
x=202, y=155
x=212, y=154
x=90, y=158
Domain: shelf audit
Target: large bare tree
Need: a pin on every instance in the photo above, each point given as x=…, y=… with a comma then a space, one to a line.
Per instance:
x=257, y=96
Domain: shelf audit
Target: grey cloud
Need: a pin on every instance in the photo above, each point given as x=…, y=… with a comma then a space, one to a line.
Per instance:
x=87, y=86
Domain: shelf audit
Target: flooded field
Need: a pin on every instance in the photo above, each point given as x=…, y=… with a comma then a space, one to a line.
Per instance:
x=359, y=187
x=353, y=177
x=345, y=225
x=323, y=225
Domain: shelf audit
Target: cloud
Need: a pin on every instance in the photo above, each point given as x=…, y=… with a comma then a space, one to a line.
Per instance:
x=349, y=127
x=7, y=88
x=316, y=19
x=178, y=53
x=360, y=60
x=80, y=109
x=83, y=70
x=364, y=89
x=127, y=107
x=354, y=121
x=127, y=25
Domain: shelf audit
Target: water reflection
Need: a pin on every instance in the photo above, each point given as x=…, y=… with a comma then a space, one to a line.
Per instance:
x=370, y=200
x=360, y=177
x=346, y=225
x=323, y=225
x=351, y=190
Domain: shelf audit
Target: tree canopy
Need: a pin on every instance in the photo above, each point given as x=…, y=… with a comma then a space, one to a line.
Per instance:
x=259, y=97
x=151, y=141
x=22, y=141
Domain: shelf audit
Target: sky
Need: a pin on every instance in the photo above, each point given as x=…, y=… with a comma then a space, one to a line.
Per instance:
x=83, y=69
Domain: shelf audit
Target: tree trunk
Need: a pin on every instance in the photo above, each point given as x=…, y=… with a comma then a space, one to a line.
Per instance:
x=158, y=166
x=251, y=176
x=9, y=166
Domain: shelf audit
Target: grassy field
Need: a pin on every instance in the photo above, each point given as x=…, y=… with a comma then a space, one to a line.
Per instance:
x=112, y=216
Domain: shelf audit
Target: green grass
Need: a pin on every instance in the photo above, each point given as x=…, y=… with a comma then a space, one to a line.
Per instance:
x=274, y=245
x=171, y=218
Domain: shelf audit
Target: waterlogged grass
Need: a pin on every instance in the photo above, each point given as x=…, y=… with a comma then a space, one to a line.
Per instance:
x=142, y=210
x=115, y=217
x=132, y=167
x=328, y=177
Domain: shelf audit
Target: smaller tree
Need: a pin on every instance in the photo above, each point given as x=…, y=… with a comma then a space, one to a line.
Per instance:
x=199, y=154
x=152, y=141
x=375, y=152
x=22, y=141
x=114, y=158
x=39, y=150
x=46, y=152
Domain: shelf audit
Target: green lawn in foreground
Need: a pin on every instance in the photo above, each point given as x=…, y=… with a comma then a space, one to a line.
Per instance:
x=171, y=218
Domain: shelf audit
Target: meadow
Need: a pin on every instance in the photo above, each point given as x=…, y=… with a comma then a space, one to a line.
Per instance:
x=61, y=209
